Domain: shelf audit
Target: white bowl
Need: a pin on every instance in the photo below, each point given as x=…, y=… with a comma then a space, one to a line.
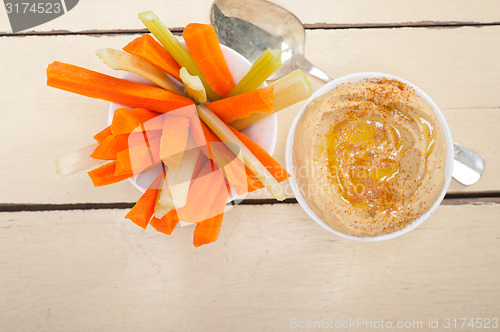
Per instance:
x=264, y=132
x=356, y=78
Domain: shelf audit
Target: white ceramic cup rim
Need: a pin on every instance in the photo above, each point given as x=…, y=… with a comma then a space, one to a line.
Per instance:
x=448, y=170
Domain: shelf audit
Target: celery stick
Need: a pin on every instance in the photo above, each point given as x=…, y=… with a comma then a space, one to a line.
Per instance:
x=262, y=68
x=288, y=90
x=194, y=87
x=120, y=60
x=161, y=210
x=77, y=161
x=175, y=48
x=180, y=178
x=164, y=203
x=255, y=166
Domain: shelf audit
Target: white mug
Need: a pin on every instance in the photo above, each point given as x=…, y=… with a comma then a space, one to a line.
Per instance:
x=448, y=170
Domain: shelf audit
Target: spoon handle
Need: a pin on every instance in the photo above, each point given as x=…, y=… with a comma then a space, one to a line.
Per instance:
x=300, y=62
x=468, y=165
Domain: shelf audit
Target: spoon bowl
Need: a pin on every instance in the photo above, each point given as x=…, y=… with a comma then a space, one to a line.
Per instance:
x=251, y=26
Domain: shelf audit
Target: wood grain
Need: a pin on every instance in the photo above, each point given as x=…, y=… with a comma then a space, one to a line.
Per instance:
x=107, y=15
x=93, y=271
x=457, y=67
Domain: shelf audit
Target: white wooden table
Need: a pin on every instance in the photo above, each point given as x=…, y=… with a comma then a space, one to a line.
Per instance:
x=70, y=262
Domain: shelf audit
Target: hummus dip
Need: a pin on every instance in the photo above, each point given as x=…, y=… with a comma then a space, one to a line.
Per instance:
x=369, y=157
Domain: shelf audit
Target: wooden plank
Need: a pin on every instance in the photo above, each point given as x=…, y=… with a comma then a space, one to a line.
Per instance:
x=457, y=67
x=91, y=271
x=109, y=15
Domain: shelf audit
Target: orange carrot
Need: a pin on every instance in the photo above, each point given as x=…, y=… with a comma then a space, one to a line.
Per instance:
x=233, y=167
x=204, y=137
x=127, y=120
x=200, y=165
x=244, y=105
x=100, y=136
x=207, y=196
x=278, y=172
x=143, y=210
x=110, y=146
x=149, y=49
x=105, y=175
x=174, y=140
x=141, y=156
x=124, y=165
x=166, y=224
x=204, y=46
x=207, y=231
x=253, y=183
x=96, y=85
x=174, y=136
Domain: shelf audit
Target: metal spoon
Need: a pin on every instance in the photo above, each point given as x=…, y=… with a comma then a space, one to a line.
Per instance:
x=251, y=26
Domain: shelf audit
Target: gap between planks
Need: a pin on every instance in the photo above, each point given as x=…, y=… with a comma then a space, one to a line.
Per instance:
x=315, y=26
x=471, y=198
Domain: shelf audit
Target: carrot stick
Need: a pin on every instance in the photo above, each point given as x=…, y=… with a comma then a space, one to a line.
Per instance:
x=201, y=191
x=96, y=85
x=173, y=140
x=100, y=136
x=141, y=156
x=244, y=105
x=203, y=45
x=200, y=164
x=225, y=159
x=127, y=120
x=207, y=231
x=175, y=48
x=253, y=183
x=166, y=224
x=121, y=60
x=232, y=166
x=105, y=175
x=278, y=172
x=149, y=49
x=204, y=137
x=142, y=211
x=110, y=146
x=174, y=136
x=207, y=196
